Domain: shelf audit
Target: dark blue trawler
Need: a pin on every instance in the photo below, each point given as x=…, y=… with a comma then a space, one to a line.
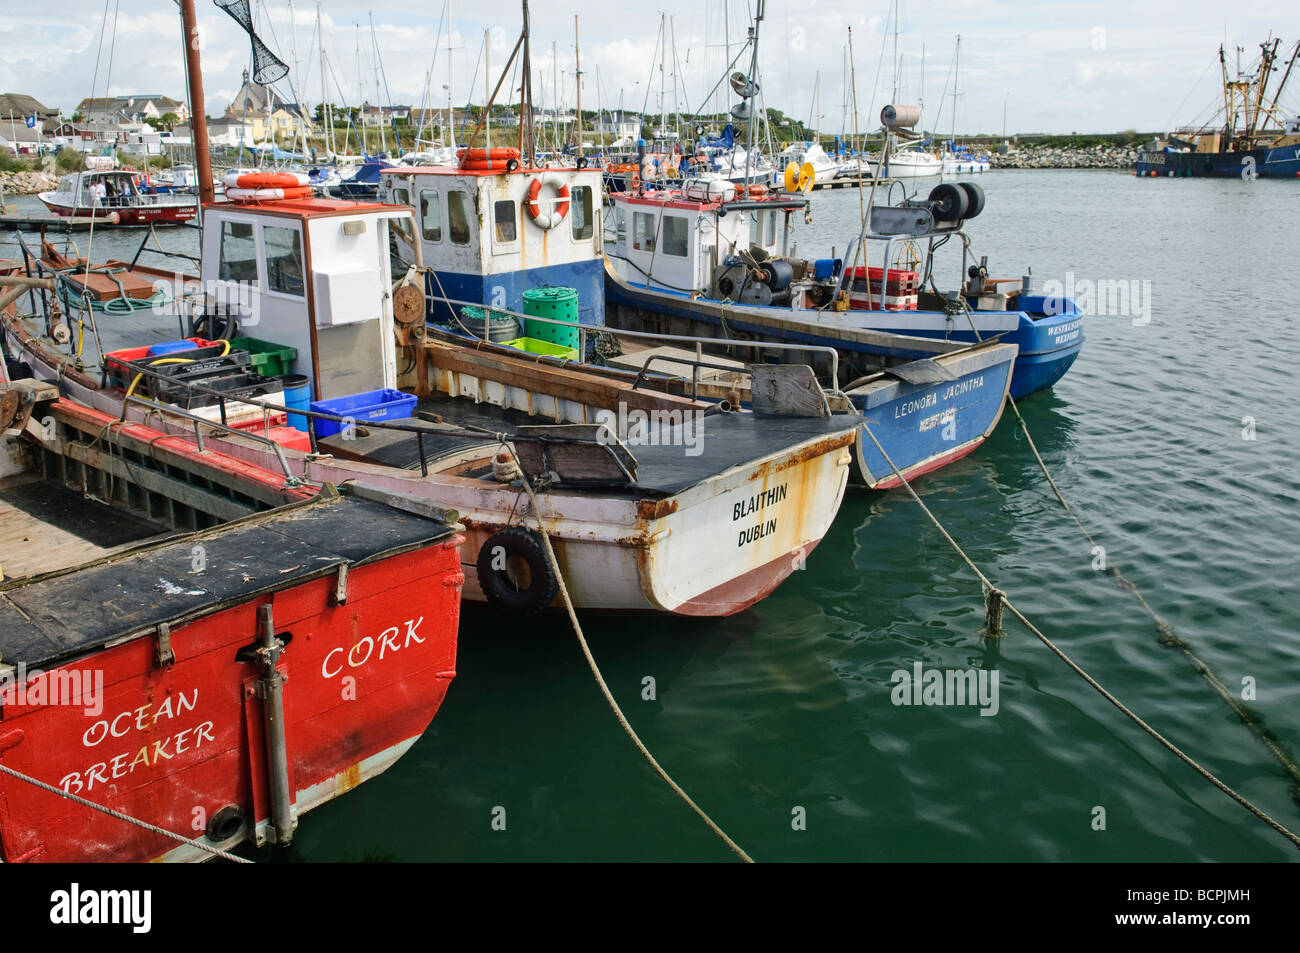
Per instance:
x=1249, y=137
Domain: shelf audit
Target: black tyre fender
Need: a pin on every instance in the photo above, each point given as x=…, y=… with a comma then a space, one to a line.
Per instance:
x=498, y=589
x=974, y=198
x=950, y=202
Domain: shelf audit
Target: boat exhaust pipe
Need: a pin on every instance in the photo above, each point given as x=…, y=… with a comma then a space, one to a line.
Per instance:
x=270, y=689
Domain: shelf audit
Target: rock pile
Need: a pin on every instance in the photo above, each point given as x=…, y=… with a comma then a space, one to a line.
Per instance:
x=1049, y=157
x=26, y=183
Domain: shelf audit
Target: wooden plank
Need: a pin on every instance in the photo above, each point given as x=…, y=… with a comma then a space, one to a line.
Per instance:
x=550, y=380
x=104, y=288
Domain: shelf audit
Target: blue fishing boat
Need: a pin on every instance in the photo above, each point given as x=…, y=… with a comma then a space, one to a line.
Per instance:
x=492, y=231
x=727, y=252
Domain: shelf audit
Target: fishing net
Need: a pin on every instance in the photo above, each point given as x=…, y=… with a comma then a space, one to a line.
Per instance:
x=267, y=67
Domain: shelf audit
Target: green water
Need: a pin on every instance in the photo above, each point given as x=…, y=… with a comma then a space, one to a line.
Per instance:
x=789, y=706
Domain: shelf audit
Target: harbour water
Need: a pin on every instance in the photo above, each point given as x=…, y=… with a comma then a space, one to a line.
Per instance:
x=1174, y=439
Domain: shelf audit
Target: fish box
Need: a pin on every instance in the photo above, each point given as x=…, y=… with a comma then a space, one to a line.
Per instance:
x=383, y=404
x=543, y=348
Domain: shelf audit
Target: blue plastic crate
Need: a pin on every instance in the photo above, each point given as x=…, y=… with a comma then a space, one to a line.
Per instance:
x=381, y=404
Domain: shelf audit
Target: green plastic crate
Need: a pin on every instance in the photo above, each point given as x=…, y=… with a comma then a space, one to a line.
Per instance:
x=265, y=358
x=544, y=348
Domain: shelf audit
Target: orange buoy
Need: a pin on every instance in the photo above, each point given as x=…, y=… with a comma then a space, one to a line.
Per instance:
x=265, y=180
x=486, y=160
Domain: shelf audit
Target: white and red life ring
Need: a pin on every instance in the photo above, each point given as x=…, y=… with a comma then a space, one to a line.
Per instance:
x=267, y=195
x=265, y=180
x=555, y=216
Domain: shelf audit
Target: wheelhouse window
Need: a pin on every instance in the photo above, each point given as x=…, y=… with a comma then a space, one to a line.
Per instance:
x=283, y=260
x=401, y=196
x=238, y=252
x=431, y=215
x=580, y=213
x=643, y=231
x=676, y=236
x=458, y=217
x=503, y=217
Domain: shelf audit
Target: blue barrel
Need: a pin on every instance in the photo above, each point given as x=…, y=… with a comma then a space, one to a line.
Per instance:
x=297, y=396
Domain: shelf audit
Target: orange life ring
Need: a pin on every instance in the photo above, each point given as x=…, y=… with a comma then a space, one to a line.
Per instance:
x=634, y=182
x=554, y=217
x=265, y=180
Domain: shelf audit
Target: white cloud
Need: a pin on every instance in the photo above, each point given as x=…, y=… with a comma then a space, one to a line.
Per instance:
x=1041, y=58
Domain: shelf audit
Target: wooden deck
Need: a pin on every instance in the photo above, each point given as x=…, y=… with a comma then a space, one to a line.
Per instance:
x=43, y=528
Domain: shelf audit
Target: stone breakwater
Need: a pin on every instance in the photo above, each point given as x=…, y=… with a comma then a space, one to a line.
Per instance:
x=1050, y=157
x=27, y=183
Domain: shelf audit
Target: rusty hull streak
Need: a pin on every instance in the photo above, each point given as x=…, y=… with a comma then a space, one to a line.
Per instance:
x=656, y=509
x=804, y=454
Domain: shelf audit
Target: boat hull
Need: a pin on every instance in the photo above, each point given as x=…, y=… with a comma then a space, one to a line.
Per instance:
x=1047, y=344
x=682, y=553
x=131, y=215
x=973, y=395
x=1279, y=163
x=924, y=427
x=93, y=705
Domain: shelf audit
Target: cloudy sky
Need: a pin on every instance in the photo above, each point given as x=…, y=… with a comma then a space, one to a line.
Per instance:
x=1056, y=67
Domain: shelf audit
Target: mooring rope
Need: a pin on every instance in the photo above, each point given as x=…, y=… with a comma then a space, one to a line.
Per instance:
x=988, y=587
x=600, y=679
x=1164, y=630
x=215, y=851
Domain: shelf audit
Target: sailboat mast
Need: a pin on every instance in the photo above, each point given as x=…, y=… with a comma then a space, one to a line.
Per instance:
x=325, y=111
x=760, y=8
x=451, y=113
x=956, y=58
x=198, y=114
x=526, y=100
x=297, y=75
x=374, y=49
x=361, y=96
x=577, y=80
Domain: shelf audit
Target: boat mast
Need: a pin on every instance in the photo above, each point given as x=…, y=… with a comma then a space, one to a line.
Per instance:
x=297, y=75
x=577, y=79
x=325, y=111
x=956, y=59
x=198, y=116
x=760, y=8
x=361, y=96
x=374, y=49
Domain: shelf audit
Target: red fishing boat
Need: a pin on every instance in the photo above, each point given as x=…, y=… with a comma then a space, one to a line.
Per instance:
x=215, y=652
x=116, y=196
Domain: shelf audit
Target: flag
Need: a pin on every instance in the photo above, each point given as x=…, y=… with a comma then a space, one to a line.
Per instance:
x=31, y=121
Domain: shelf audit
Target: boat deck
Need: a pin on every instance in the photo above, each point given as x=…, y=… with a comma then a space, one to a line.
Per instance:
x=681, y=458
x=44, y=527
x=51, y=618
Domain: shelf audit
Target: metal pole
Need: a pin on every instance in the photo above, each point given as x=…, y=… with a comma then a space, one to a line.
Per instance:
x=198, y=113
x=270, y=689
